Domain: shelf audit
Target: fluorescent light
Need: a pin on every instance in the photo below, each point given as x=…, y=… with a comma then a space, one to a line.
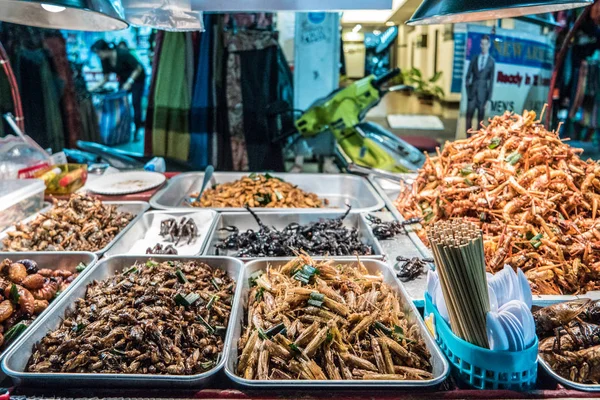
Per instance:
x=53, y=9
x=357, y=28
x=390, y=23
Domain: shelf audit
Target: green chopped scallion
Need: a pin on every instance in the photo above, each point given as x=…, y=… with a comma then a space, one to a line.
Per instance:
x=211, y=302
x=206, y=324
x=315, y=303
x=80, y=267
x=494, y=143
x=513, y=158
x=181, y=276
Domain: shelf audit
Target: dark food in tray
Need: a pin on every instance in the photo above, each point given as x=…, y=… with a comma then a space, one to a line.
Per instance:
x=153, y=318
x=411, y=268
x=318, y=320
x=388, y=229
x=160, y=249
x=175, y=231
x=81, y=223
x=569, y=335
x=26, y=291
x=326, y=237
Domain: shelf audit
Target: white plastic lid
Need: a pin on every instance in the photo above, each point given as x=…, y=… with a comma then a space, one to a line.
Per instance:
x=13, y=191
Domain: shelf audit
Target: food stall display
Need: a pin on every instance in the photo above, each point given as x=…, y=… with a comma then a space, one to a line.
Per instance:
x=569, y=342
x=326, y=236
x=535, y=199
x=258, y=190
x=80, y=223
x=325, y=320
x=153, y=317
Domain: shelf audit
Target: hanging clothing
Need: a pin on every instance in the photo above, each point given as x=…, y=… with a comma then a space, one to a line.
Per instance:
x=170, y=136
x=56, y=45
x=149, y=124
x=40, y=92
x=202, y=111
x=253, y=83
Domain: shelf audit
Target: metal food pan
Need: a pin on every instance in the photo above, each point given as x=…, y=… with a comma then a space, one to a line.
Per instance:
x=439, y=362
x=566, y=382
x=339, y=189
x=244, y=221
x=130, y=242
x=137, y=208
x=16, y=360
x=52, y=260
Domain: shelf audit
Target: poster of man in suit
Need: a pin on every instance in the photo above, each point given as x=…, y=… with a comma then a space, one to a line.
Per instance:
x=479, y=82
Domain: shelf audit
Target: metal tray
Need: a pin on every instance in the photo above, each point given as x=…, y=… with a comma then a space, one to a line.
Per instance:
x=566, y=382
x=339, y=189
x=16, y=360
x=53, y=260
x=402, y=245
x=126, y=244
x=137, y=208
x=439, y=362
x=244, y=221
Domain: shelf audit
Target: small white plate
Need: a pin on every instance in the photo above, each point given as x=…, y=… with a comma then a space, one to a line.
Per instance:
x=126, y=182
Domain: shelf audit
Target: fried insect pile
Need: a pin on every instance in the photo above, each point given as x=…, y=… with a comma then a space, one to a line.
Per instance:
x=536, y=201
x=326, y=237
x=258, y=190
x=81, y=223
x=569, y=335
x=316, y=320
x=26, y=291
x=153, y=318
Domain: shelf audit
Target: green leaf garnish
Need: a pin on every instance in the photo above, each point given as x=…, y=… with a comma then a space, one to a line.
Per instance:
x=206, y=324
x=513, y=158
x=211, y=302
x=131, y=270
x=181, y=276
x=274, y=330
x=467, y=170
x=469, y=182
x=151, y=263
x=294, y=347
x=262, y=335
x=14, y=332
x=80, y=267
x=278, y=195
x=187, y=300
x=252, y=279
x=14, y=294
x=259, y=294
x=495, y=143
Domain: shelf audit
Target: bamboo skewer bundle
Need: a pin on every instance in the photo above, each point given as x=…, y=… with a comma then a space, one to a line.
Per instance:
x=460, y=261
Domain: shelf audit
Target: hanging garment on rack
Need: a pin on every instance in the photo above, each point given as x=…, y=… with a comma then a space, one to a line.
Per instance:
x=148, y=127
x=170, y=136
x=56, y=45
x=202, y=112
x=254, y=82
x=40, y=93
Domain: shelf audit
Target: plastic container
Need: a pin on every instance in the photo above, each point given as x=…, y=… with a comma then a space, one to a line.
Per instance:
x=19, y=199
x=483, y=368
x=64, y=178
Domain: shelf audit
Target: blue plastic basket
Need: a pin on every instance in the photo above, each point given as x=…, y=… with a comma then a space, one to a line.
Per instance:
x=483, y=368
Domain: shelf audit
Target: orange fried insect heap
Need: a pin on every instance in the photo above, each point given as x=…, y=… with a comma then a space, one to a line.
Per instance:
x=535, y=199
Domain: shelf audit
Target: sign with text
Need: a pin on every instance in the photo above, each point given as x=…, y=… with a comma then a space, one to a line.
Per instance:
x=504, y=70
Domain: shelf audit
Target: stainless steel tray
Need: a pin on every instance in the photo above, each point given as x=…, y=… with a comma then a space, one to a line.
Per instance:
x=16, y=360
x=137, y=208
x=244, y=221
x=403, y=245
x=566, y=382
x=127, y=244
x=439, y=362
x=339, y=189
x=53, y=260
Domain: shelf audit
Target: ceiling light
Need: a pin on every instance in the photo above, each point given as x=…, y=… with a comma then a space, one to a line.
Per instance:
x=455, y=11
x=80, y=15
x=390, y=23
x=357, y=28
